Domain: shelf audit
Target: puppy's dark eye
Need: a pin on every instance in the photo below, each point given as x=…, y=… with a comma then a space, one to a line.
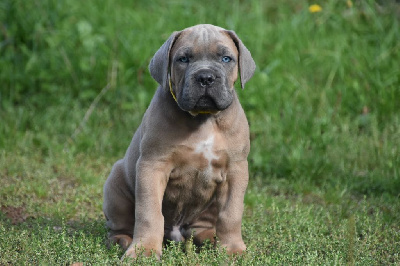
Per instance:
x=226, y=59
x=183, y=59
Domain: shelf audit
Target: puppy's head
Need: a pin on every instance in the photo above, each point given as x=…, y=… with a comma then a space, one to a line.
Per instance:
x=200, y=66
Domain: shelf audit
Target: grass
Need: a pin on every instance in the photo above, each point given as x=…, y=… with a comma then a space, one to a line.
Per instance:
x=322, y=107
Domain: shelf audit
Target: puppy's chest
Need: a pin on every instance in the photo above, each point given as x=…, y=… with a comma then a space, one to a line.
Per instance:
x=198, y=170
x=205, y=162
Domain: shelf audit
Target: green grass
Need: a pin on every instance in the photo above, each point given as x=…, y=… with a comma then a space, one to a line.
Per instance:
x=323, y=108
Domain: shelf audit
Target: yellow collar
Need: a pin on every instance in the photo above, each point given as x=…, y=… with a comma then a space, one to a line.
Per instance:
x=172, y=92
x=173, y=96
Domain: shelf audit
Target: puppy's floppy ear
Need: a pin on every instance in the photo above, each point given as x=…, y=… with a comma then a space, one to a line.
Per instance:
x=159, y=64
x=247, y=65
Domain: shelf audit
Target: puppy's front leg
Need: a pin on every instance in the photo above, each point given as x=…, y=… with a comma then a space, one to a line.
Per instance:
x=230, y=201
x=151, y=181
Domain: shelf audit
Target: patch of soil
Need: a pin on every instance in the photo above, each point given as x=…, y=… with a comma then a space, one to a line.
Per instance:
x=17, y=215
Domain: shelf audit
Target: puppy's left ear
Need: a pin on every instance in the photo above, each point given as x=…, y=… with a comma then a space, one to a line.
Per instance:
x=247, y=65
x=159, y=64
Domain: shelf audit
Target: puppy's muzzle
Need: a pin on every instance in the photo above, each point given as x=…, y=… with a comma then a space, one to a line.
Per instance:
x=205, y=78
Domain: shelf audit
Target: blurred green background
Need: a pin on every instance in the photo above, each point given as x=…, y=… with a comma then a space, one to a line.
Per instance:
x=323, y=105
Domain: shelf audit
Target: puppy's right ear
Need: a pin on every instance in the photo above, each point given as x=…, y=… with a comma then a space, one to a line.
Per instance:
x=159, y=64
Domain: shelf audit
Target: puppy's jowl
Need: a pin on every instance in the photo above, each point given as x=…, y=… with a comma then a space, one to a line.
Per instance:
x=185, y=172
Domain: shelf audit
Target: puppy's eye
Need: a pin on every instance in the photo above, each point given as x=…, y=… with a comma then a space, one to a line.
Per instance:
x=183, y=59
x=226, y=59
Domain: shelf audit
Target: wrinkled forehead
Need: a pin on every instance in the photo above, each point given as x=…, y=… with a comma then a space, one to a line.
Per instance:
x=205, y=39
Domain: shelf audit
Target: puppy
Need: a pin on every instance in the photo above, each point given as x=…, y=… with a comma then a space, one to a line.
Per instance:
x=185, y=172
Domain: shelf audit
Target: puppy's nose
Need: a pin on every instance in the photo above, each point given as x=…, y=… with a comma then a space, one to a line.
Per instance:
x=205, y=78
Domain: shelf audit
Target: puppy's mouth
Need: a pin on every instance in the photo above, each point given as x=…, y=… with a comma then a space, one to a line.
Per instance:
x=205, y=103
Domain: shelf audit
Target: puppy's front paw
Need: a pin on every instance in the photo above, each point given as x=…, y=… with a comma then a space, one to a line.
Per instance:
x=130, y=253
x=136, y=250
x=235, y=248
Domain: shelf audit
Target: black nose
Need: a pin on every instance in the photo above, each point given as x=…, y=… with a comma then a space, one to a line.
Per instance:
x=205, y=78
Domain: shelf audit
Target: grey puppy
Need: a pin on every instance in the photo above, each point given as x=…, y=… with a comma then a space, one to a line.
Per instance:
x=185, y=172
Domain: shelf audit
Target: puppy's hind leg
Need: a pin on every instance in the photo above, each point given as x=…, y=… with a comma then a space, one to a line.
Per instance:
x=119, y=208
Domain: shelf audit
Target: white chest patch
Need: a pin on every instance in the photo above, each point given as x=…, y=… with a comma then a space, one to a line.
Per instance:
x=206, y=148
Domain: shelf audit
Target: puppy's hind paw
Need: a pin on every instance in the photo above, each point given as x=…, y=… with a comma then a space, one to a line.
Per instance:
x=123, y=241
